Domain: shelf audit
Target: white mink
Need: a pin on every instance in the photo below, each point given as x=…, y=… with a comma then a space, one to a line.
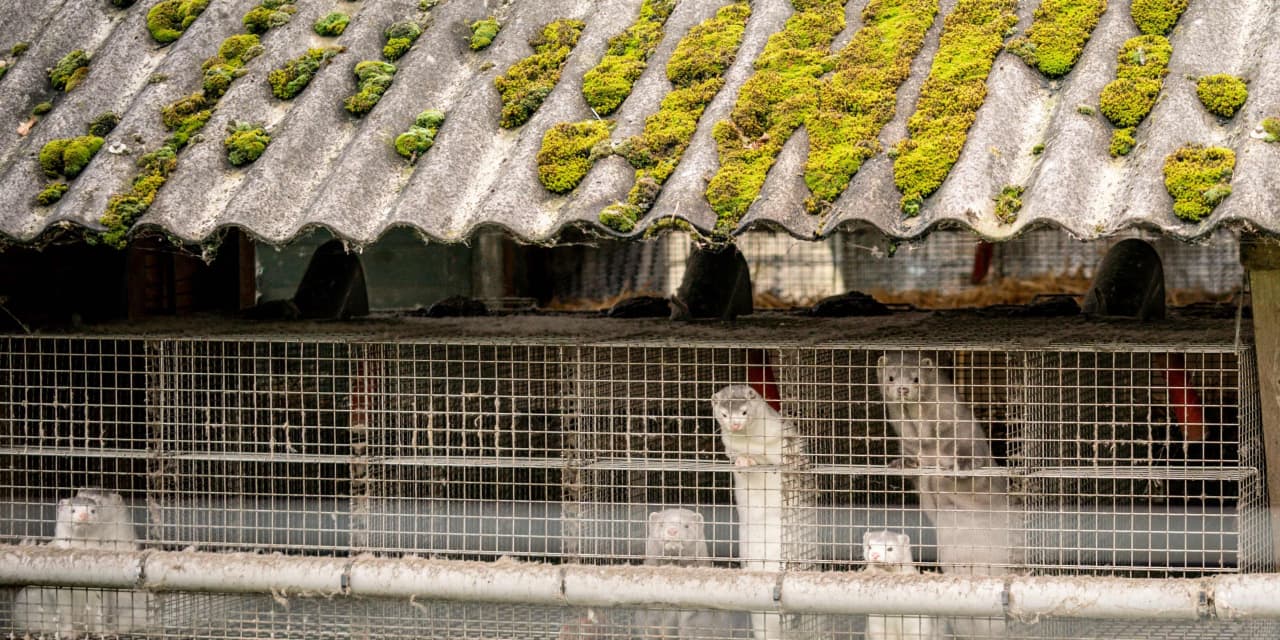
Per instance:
x=752, y=431
x=937, y=430
x=890, y=552
x=94, y=519
x=676, y=537
x=755, y=434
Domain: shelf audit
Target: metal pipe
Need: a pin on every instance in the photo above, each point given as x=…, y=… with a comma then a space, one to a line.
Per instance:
x=511, y=582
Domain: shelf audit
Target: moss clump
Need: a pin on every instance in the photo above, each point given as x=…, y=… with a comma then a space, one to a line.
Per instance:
x=607, y=84
x=696, y=69
x=861, y=96
x=568, y=151
x=104, y=124
x=42, y=108
x=1198, y=178
x=167, y=20
x=483, y=32
x=1142, y=65
x=221, y=70
x=529, y=81
x=1008, y=203
x=373, y=77
x=1037, y=149
x=269, y=15
x=18, y=49
x=1058, y=34
x=245, y=143
x=972, y=35
x=332, y=25
x=421, y=136
x=67, y=157
x=174, y=113
x=69, y=71
x=1122, y=142
x=1156, y=17
x=122, y=4
x=51, y=194
x=1270, y=129
x=400, y=36
x=1222, y=94
x=779, y=97
x=288, y=81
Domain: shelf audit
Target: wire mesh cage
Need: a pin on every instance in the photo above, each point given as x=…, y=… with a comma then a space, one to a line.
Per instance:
x=896, y=456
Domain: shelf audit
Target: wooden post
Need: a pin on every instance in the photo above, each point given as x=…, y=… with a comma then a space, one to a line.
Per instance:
x=1261, y=257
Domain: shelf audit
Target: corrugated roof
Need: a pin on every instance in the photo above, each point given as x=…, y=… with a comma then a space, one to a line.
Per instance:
x=327, y=168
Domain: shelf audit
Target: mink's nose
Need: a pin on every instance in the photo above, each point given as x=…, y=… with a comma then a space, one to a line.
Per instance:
x=673, y=532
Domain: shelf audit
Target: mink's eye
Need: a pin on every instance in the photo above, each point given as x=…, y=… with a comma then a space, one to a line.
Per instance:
x=890, y=378
x=915, y=380
x=889, y=550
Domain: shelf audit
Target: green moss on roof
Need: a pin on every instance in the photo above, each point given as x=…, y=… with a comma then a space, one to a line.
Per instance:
x=1058, y=34
x=332, y=24
x=779, y=97
x=269, y=15
x=1198, y=178
x=69, y=71
x=18, y=49
x=696, y=69
x=607, y=84
x=529, y=81
x=483, y=32
x=1141, y=67
x=51, y=194
x=68, y=156
x=400, y=37
x=1008, y=203
x=568, y=151
x=1156, y=17
x=1222, y=94
x=42, y=108
x=122, y=4
x=421, y=136
x=373, y=77
x=288, y=81
x=1271, y=129
x=168, y=19
x=245, y=143
x=861, y=96
x=972, y=35
x=1122, y=142
x=104, y=124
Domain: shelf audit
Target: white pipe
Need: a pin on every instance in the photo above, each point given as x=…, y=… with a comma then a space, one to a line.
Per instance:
x=1109, y=598
x=1247, y=596
x=1254, y=596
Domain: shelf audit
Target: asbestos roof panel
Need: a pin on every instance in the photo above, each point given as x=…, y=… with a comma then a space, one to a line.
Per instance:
x=326, y=168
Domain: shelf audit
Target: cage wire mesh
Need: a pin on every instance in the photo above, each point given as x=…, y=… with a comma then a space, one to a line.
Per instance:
x=935, y=272
x=1136, y=461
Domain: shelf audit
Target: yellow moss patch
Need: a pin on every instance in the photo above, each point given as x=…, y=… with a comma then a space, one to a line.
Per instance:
x=861, y=96
x=373, y=78
x=1198, y=178
x=69, y=71
x=1142, y=64
x=607, y=84
x=1156, y=17
x=288, y=81
x=696, y=69
x=483, y=32
x=772, y=104
x=168, y=19
x=1222, y=94
x=972, y=35
x=528, y=82
x=245, y=143
x=1058, y=34
x=1122, y=142
x=68, y=156
x=568, y=151
x=421, y=136
x=1008, y=203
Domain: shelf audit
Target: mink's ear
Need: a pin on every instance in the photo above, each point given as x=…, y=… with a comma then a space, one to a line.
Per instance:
x=751, y=393
x=697, y=517
x=926, y=361
x=866, y=537
x=65, y=502
x=903, y=539
x=882, y=361
x=655, y=517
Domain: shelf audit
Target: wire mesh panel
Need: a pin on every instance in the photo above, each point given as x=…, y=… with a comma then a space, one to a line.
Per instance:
x=893, y=456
